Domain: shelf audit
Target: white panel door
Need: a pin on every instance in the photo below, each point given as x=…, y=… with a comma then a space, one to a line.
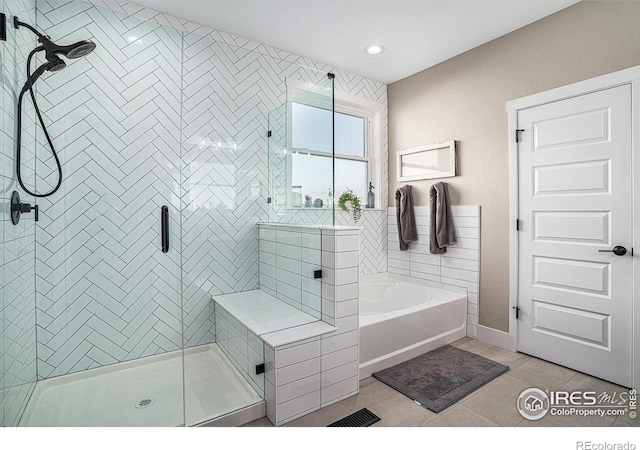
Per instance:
x=575, y=205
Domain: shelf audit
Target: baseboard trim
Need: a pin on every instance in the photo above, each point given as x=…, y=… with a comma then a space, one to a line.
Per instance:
x=496, y=337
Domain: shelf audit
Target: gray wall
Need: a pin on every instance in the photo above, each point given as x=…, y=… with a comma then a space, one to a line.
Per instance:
x=464, y=99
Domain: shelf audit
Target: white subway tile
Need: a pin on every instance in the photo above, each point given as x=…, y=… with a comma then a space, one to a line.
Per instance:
x=329, y=308
x=399, y=255
x=340, y=357
x=347, y=276
x=347, y=243
x=465, y=275
x=311, y=240
x=424, y=268
x=328, y=291
x=339, y=390
x=457, y=263
x=328, y=243
x=297, y=389
x=289, y=251
x=328, y=276
x=267, y=235
x=340, y=373
x=289, y=237
x=346, y=292
x=306, y=403
x=347, y=259
x=471, y=287
x=299, y=353
x=268, y=247
x=473, y=233
x=267, y=270
x=462, y=253
x=465, y=210
x=346, y=308
x=339, y=342
x=297, y=371
x=328, y=260
x=288, y=264
x=466, y=222
x=269, y=356
x=311, y=256
x=471, y=244
x=472, y=298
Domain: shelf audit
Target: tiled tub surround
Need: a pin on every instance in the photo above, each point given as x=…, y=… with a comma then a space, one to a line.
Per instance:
x=309, y=363
x=166, y=110
x=460, y=266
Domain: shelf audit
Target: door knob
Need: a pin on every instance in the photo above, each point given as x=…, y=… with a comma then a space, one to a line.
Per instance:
x=618, y=250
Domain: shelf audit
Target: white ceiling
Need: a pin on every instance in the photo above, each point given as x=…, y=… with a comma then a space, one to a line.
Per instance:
x=416, y=34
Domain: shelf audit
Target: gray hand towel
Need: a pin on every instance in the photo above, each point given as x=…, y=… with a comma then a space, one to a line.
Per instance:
x=407, y=230
x=441, y=231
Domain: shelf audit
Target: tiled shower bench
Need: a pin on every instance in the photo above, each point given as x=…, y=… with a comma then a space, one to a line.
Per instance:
x=308, y=363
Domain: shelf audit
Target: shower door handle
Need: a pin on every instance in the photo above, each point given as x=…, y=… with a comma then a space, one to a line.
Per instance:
x=164, y=218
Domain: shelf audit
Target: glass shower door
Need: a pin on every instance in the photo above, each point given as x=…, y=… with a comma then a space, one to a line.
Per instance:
x=108, y=263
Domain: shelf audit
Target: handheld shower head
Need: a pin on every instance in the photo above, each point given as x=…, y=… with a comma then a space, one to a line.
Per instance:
x=73, y=51
x=54, y=63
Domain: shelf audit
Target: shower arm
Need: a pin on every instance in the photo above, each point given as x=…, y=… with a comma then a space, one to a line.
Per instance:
x=17, y=24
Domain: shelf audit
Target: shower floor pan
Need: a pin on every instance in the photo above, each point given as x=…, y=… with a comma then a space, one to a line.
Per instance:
x=145, y=392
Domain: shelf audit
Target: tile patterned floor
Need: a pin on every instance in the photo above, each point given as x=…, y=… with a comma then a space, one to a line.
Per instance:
x=490, y=406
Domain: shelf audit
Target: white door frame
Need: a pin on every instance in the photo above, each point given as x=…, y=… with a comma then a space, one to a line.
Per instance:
x=627, y=76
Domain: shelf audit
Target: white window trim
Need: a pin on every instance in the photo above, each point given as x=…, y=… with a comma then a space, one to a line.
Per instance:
x=349, y=104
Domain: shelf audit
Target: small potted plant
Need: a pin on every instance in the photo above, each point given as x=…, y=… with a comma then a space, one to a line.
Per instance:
x=307, y=201
x=349, y=201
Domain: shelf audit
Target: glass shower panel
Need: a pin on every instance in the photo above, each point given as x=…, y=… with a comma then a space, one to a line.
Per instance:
x=5, y=159
x=17, y=263
x=109, y=305
x=301, y=164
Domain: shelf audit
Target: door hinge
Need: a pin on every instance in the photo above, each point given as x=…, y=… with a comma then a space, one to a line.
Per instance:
x=517, y=308
x=259, y=368
x=517, y=224
x=268, y=199
x=269, y=133
x=519, y=135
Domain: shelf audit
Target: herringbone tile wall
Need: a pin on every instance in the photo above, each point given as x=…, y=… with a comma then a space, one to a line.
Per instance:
x=105, y=291
x=163, y=112
x=17, y=287
x=373, y=238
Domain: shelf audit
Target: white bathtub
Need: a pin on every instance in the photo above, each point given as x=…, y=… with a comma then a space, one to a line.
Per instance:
x=403, y=317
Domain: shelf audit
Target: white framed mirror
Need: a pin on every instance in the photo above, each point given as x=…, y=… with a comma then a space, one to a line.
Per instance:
x=427, y=162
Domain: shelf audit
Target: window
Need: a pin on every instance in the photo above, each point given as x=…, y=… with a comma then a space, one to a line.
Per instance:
x=358, y=145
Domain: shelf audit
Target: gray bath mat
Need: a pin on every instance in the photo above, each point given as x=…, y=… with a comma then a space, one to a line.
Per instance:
x=440, y=378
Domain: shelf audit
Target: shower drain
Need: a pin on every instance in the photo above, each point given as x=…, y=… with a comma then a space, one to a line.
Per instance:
x=145, y=403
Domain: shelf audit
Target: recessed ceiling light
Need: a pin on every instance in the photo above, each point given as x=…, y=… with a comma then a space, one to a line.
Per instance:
x=374, y=49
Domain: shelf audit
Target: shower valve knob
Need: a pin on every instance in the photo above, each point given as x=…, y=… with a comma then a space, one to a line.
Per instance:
x=17, y=208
